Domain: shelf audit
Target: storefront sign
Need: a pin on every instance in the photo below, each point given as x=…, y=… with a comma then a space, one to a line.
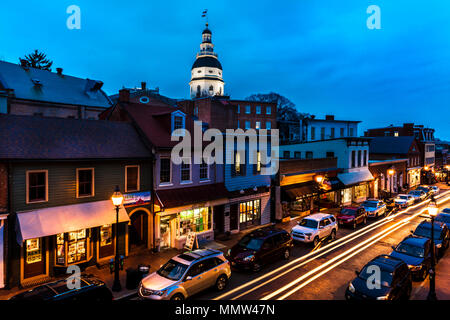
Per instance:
x=137, y=198
x=191, y=241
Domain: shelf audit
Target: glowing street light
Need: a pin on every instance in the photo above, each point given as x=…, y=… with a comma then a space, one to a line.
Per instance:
x=319, y=179
x=117, y=200
x=390, y=172
x=432, y=211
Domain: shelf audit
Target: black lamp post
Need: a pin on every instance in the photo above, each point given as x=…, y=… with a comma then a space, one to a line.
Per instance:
x=391, y=180
x=319, y=179
x=117, y=199
x=432, y=211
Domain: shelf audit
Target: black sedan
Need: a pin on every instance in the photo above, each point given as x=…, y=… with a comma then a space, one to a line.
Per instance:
x=383, y=278
x=416, y=253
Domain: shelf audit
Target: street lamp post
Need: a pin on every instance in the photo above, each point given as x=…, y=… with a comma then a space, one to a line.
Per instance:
x=319, y=180
x=432, y=211
x=391, y=174
x=117, y=199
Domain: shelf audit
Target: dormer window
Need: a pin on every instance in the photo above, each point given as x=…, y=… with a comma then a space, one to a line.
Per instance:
x=178, y=121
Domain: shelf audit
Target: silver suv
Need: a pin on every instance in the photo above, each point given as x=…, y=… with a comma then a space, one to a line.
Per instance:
x=187, y=274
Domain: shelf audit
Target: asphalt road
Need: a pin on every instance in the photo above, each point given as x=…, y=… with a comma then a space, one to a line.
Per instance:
x=324, y=273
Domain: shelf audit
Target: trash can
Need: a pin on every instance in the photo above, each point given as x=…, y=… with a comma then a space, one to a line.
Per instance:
x=133, y=278
x=143, y=271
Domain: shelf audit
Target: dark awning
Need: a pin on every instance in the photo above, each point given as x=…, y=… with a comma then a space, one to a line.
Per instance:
x=294, y=191
x=171, y=198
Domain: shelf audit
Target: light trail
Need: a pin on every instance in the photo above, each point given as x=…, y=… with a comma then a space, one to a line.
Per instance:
x=329, y=247
x=348, y=254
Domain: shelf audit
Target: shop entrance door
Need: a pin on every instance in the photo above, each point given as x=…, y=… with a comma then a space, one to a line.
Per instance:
x=137, y=228
x=219, y=219
x=234, y=212
x=34, y=259
x=165, y=232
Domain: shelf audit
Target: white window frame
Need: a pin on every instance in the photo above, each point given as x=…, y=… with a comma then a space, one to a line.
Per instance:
x=138, y=178
x=27, y=200
x=93, y=183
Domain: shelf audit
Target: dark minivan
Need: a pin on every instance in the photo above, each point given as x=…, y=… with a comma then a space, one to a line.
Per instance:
x=260, y=247
x=441, y=235
x=394, y=284
x=91, y=289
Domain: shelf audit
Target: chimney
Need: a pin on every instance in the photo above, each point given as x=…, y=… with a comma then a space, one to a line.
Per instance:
x=59, y=71
x=143, y=85
x=124, y=95
x=329, y=117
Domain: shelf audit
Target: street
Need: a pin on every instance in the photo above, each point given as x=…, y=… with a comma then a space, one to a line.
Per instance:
x=324, y=273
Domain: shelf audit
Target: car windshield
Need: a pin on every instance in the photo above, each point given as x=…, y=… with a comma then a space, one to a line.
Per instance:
x=443, y=218
x=172, y=270
x=403, y=197
x=308, y=223
x=251, y=243
x=415, y=193
x=348, y=212
x=426, y=233
x=370, y=204
x=368, y=274
x=410, y=250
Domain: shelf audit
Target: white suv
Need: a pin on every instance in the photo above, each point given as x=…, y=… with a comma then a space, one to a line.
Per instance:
x=313, y=228
x=187, y=274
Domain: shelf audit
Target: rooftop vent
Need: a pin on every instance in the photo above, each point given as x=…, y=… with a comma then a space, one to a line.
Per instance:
x=59, y=71
x=36, y=82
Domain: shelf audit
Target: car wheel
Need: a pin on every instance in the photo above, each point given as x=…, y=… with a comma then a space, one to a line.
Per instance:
x=315, y=241
x=256, y=267
x=333, y=234
x=177, y=296
x=221, y=282
x=286, y=254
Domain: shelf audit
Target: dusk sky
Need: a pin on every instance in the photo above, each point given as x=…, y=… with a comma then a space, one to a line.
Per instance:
x=319, y=54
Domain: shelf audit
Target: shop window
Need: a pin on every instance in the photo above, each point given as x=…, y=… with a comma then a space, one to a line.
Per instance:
x=72, y=247
x=37, y=188
x=313, y=133
x=196, y=220
x=249, y=211
x=85, y=182
x=131, y=178
x=204, y=174
x=33, y=251
x=106, y=235
x=164, y=170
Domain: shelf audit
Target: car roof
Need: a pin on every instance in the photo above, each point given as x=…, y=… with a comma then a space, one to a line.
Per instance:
x=263, y=233
x=58, y=288
x=445, y=214
x=427, y=224
x=446, y=210
x=190, y=257
x=386, y=262
x=372, y=200
x=318, y=216
x=415, y=241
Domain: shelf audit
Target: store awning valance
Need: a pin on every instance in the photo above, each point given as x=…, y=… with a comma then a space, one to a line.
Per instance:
x=50, y=221
x=292, y=192
x=352, y=178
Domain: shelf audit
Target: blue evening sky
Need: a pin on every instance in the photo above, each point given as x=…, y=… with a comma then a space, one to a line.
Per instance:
x=319, y=54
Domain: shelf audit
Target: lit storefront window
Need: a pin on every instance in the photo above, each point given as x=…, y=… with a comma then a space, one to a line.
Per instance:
x=361, y=191
x=249, y=211
x=196, y=220
x=71, y=247
x=105, y=235
x=33, y=251
x=346, y=195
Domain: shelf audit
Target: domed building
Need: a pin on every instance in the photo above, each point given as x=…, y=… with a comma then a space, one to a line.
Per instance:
x=206, y=72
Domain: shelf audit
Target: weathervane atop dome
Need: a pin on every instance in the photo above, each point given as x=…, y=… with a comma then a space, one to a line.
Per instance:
x=205, y=15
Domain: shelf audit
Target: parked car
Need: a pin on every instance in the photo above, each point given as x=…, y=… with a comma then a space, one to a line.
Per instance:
x=374, y=208
x=91, y=289
x=446, y=210
x=435, y=189
x=352, y=216
x=395, y=281
x=441, y=235
x=425, y=189
x=260, y=247
x=444, y=217
x=187, y=274
x=404, y=200
x=315, y=227
x=416, y=253
x=418, y=195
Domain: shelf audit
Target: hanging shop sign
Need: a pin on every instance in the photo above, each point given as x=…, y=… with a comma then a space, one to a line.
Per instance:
x=137, y=198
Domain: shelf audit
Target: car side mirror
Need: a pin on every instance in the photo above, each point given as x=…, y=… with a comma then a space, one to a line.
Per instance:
x=357, y=272
x=188, y=278
x=412, y=232
x=393, y=247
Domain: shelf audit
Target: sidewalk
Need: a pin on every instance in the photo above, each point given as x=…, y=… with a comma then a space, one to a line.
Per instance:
x=442, y=281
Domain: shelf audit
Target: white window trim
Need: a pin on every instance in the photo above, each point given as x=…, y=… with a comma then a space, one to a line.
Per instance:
x=181, y=174
x=177, y=114
x=138, y=178
x=93, y=183
x=207, y=173
x=169, y=183
x=27, y=186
